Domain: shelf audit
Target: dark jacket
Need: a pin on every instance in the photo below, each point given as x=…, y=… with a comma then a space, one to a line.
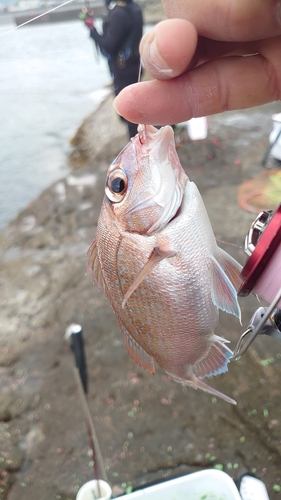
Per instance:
x=120, y=42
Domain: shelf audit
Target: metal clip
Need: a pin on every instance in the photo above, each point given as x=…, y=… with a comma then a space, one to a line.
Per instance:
x=265, y=321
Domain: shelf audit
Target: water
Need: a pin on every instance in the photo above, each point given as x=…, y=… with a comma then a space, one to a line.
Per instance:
x=50, y=80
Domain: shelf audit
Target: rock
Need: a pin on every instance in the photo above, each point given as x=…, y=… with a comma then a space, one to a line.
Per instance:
x=6, y=399
x=32, y=442
x=102, y=131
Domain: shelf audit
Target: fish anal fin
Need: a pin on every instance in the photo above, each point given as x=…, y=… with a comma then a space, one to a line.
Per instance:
x=136, y=352
x=156, y=256
x=216, y=360
x=224, y=295
x=231, y=267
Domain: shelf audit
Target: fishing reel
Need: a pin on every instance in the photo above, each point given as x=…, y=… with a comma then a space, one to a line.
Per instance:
x=262, y=276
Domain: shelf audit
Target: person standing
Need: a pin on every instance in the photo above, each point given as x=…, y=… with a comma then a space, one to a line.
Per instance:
x=119, y=43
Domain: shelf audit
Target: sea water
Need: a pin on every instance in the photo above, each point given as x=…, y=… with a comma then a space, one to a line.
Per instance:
x=51, y=78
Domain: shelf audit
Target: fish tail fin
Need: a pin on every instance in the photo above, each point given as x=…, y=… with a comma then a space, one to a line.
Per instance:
x=197, y=383
x=214, y=363
x=216, y=360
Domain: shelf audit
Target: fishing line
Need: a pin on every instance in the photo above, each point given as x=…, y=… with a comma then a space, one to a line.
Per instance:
x=139, y=77
x=228, y=243
x=36, y=17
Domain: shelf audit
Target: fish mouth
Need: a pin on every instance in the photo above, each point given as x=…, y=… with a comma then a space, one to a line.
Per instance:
x=146, y=200
x=166, y=189
x=170, y=212
x=151, y=136
x=173, y=209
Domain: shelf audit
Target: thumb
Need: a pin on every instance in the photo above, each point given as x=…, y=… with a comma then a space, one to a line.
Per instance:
x=167, y=50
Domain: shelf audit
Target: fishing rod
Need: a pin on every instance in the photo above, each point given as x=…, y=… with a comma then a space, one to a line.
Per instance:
x=75, y=333
x=37, y=17
x=88, y=13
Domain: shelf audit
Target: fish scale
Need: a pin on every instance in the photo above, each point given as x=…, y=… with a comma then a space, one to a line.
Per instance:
x=159, y=263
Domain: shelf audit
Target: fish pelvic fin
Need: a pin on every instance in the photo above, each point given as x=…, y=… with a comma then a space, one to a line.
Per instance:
x=156, y=256
x=139, y=355
x=94, y=264
x=197, y=383
x=224, y=295
x=216, y=360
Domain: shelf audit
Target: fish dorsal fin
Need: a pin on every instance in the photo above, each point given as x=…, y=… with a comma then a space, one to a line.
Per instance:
x=231, y=267
x=138, y=354
x=216, y=360
x=224, y=295
x=156, y=256
x=94, y=264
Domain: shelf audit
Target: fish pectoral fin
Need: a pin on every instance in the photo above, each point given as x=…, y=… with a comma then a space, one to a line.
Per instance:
x=231, y=267
x=216, y=360
x=156, y=256
x=138, y=354
x=94, y=264
x=197, y=383
x=224, y=295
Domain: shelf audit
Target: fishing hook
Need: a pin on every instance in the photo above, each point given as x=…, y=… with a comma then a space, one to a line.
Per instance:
x=265, y=321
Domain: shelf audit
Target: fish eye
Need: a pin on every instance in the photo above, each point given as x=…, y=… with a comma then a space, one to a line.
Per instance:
x=116, y=185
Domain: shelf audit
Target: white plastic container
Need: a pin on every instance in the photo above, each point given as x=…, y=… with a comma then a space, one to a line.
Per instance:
x=89, y=491
x=197, y=128
x=276, y=150
x=208, y=484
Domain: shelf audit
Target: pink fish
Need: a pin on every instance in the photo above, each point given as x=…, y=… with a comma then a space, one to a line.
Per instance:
x=157, y=259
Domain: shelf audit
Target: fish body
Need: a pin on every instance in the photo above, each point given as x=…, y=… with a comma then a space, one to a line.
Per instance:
x=157, y=259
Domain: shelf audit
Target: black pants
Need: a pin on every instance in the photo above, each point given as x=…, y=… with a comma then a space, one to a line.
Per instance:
x=132, y=127
x=121, y=79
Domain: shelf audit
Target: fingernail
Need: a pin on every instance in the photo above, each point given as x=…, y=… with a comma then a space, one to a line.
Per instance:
x=114, y=104
x=156, y=59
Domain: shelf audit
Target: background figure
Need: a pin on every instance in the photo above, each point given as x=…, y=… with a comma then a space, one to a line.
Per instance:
x=119, y=43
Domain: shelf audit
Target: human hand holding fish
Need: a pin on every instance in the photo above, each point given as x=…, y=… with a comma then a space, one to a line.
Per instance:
x=156, y=257
x=197, y=60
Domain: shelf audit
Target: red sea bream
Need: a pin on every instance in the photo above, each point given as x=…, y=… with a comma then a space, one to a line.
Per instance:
x=157, y=259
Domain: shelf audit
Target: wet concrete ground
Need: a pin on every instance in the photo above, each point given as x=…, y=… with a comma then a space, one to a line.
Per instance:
x=149, y=427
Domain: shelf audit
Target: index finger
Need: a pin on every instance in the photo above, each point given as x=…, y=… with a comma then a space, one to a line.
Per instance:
x=228, y=83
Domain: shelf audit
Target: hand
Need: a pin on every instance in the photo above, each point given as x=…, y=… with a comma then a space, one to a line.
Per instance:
x=89, y=22
x=199, y=62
